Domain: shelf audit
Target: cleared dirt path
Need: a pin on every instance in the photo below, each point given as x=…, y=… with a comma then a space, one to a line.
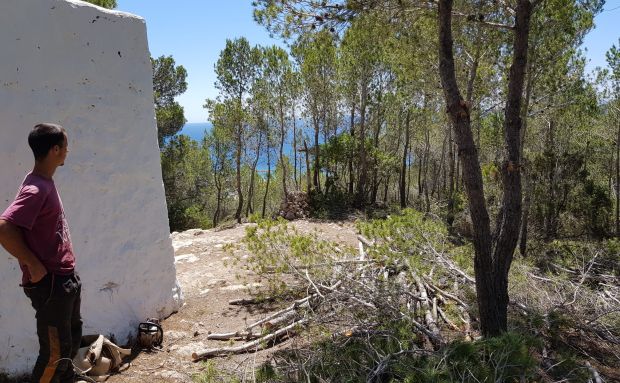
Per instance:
x=209, y=282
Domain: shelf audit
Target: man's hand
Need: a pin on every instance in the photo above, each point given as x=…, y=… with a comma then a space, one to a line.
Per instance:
x=12, y=239
x=37, y=271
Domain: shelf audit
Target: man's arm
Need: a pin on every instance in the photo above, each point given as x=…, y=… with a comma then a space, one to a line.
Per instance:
x=12, y=239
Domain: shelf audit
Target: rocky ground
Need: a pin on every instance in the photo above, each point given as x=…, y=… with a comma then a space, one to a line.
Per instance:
x=209, y=282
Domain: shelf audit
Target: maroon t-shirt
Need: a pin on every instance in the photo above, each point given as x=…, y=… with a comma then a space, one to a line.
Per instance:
x=38, y=210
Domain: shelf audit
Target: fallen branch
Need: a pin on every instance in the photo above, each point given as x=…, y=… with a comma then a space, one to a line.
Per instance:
x=256, y=345
x=350, y=296
x=447, y=320
x=445, y=293
x=365, y=241
x=304, y=302
x=239, y=335
x=249, y=301
x=595, y=375
x=426, y=305
x=272, y=269
x=434, y=338
x=449, y=264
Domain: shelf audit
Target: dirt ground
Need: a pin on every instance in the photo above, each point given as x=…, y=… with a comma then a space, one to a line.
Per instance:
x=209, y=283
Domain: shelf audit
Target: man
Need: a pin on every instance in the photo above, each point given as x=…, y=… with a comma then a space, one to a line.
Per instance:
x=33, y=229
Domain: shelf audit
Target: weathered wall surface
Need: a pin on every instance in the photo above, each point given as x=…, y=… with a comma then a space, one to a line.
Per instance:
x=88, y=69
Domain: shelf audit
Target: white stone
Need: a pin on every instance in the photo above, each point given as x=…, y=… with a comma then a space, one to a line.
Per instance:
x=88, y=69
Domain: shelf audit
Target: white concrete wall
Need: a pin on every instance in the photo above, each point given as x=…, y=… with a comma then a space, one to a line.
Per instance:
x=88, y=69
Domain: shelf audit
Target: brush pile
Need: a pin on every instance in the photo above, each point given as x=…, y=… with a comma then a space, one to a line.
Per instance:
x=295, y=206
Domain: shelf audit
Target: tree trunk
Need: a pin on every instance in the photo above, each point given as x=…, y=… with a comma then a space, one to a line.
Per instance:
x=315, y=178
x=360, y=198
x=411, y=160
x=491, y=264
x=309, y=184
x=250, y=208
x=375, y=170
x=295, y=149
x=420, y=169
x=238, y=164
x=403, y=169
x=282, y=163
x=216, y=215
x=551, y=197
x=352, y=132
x=439, y=175
x=452, y=160
x=527, y=199
x=386, y=190
x=423, y=171
x=268, y=178
x=618, y=180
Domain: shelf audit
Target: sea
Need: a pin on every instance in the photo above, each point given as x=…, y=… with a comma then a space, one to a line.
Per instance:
x=196, y=130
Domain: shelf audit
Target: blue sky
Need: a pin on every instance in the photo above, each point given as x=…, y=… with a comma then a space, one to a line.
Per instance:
x=195, y=31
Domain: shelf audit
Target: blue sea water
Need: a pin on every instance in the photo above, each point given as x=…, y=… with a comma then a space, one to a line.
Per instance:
x=196, y=130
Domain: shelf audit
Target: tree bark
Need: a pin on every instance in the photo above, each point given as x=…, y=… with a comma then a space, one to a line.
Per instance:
x=551, y=205
x=316, y=154
x=527, y=199
x=250, y=206
x=491, y=263
x=238, y=164
x=282, y=138
x=375, y=170
x=440, y=174
x=218, y=187
x=217, y=174
x=360, y=198
x=403, y=169
x=618, y=181
x=268, y=178
x=420, y=169
x=352, y=132
x=295, y=148
x=452, y=160
x=309, y=184
x=386, y=189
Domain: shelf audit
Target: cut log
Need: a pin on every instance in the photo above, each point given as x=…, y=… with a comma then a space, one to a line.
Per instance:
x=256, y=345
x=239, y=335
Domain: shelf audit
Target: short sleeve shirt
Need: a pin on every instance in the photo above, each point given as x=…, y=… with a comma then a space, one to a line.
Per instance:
x=38, y=211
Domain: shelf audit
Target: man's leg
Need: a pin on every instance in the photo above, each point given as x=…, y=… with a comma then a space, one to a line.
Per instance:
x=39, y=294
x=54, y=307
x=72, y=324
x=76, y=320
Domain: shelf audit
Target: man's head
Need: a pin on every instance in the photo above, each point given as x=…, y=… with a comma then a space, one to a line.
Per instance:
x=48, y=142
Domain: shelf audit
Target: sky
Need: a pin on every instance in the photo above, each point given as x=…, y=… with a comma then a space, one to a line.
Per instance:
x=195, y=31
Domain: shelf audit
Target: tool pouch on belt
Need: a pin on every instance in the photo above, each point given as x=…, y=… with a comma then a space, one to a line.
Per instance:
x=99, y=357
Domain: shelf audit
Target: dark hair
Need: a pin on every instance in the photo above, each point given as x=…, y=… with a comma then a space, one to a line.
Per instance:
x=44, y=137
